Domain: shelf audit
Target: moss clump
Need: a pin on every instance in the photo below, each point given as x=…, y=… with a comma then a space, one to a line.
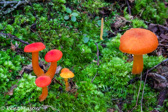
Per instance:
x=10, y=65
x=152, y=11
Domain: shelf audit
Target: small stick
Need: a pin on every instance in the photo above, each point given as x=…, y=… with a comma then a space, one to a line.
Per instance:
x=13, y=37
x=138, y=93
x=97, y=62
x=57, y=81
x=147, y=76
x=128, y=7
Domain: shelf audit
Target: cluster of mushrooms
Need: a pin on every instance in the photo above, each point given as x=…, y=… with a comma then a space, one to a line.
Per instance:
x=44, y=79
x=136, y=41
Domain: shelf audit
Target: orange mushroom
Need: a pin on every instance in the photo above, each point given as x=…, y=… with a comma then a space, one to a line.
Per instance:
x=53, y=56
x=43, y=81
x=66, y=73
x=64, y=70
x=138, y=41
x=34, y=48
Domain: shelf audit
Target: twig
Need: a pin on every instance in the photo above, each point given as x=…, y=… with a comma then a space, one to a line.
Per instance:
x=13, y=8
x=57, y=81
x=97, y=62
x=157, y=65
x=13, y=5
x=97, y=54
x=137, y=78
x=129, y=10
x=147, y=76
x=138, y=93
x=163, y=45
x=12, y=37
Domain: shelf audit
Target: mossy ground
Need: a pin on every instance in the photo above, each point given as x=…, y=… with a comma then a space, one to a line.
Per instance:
x=79, y=41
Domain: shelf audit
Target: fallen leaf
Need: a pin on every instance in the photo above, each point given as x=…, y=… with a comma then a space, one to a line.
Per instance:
x=131, y=1
x=110, y=110
x=13, y=47
x=28, y=68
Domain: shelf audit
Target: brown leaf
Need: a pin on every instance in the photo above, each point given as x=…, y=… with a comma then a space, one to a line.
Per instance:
x=13, y=47
x=110, y=110
x=119, y=22
x=131, y=1
x=28, y=68
x=73, y=87
x=153, y=27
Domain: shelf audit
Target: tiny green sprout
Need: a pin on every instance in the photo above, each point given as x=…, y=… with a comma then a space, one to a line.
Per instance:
x=72, y=15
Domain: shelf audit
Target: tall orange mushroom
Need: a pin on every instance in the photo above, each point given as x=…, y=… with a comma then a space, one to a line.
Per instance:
x=34, y=48
x=43, y=81
x=53, y=56
x=138, y=41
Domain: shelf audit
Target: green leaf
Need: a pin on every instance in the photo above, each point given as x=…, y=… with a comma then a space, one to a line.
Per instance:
x=68, y=10
x=74, y=14
x=85, y=39
x=66, y=17
x=99, y=22
x=73, y=18
x=105, y=32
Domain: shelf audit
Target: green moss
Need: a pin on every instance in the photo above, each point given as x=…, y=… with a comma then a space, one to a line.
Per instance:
x=152, y=11
x=9, y=67
x=77, y=40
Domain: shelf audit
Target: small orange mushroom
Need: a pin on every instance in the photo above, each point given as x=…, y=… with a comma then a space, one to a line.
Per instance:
x=43, y=81
x=64, y=70
x=34, y=48
x=53, y=56
x=66, y=73
x=138, y=41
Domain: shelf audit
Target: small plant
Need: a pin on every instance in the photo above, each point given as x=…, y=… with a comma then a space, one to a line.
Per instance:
x=72, y=15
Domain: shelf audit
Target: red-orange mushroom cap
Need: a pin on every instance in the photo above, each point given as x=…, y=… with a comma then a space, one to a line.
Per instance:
x=65, y=70
x=34, y=47
x=43, y=81
x=138, y=41
x=53, y=55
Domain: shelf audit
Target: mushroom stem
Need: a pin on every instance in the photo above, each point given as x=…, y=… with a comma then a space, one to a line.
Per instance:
x=137, y=64
x=51, y=71
x=66, y=84
x=44, y=94
x=36, y=68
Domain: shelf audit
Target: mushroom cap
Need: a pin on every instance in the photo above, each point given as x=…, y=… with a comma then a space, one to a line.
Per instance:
x=64, y=70
x=67, y=74
x=43, y=81
x=138, y=41
x=34, y=47
x=53, y=55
